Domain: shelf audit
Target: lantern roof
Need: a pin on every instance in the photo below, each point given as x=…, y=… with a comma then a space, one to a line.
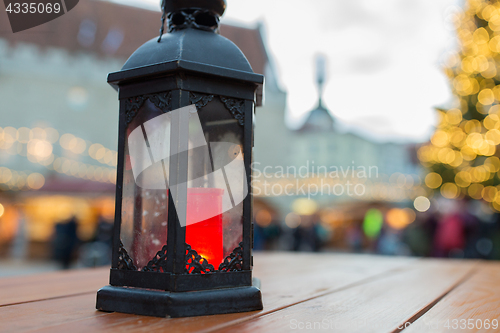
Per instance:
x=189, y=49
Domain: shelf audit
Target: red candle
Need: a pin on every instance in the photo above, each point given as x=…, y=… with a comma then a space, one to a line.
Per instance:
x=205, y=235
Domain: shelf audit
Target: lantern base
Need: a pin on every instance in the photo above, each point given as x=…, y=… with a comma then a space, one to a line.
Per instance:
x=157, y=303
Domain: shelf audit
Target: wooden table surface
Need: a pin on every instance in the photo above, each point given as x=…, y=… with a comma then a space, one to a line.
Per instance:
x=301, y=292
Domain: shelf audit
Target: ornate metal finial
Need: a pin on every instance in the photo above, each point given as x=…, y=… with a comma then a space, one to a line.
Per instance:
x=197, y=14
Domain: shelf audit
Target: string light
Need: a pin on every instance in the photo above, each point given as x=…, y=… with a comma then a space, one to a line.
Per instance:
x=85, y=171
x=37, y=145
x=40, y=141
x=395, y=188
x=20, y=180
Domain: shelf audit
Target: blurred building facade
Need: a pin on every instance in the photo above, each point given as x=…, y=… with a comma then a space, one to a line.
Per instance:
x=326, y=159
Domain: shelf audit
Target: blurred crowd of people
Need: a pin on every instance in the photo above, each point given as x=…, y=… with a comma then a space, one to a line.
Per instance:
x=68, y=249
x=456, y=229
x=450, y=229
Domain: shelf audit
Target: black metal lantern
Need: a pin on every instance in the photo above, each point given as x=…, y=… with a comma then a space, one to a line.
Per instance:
x=183, y=221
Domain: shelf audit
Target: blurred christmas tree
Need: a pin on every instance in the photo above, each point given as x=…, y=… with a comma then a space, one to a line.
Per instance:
x=461, y=157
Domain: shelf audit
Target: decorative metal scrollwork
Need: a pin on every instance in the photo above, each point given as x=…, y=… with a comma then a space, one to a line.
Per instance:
x=200, y=100
x=162, y=101
x=158, y=263
x=124, y=260
x=201, y=19
x=234, y=261
x=196, y=264
x=236, y=107
x=132, y=105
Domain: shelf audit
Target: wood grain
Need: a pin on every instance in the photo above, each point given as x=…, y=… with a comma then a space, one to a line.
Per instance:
x=477, y=298
x=15, y=290
x=381, y=305
x=286, y=279
x=45, y=313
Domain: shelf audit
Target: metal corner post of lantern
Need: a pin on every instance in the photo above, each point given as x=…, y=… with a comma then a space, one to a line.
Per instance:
x=183, y=229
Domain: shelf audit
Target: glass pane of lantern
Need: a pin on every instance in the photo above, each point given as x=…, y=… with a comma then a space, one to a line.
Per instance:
x=216, y=183
x=145, y=195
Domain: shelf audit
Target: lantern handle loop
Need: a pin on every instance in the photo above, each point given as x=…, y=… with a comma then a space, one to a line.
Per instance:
x=162, y=20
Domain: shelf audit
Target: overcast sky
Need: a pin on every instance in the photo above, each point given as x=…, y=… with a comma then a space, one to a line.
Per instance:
x=384, y=58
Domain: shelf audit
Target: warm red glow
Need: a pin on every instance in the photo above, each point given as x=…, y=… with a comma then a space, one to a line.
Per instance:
x=205, y=236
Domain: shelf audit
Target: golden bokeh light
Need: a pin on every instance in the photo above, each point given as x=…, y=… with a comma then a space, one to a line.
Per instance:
x=398, y=218
x=488, y=193
x=433, y=180
x=454, y=116
x=449, y=190
x=486, y=97
x=463, y=179
x=440, y=138
x=472, y=126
